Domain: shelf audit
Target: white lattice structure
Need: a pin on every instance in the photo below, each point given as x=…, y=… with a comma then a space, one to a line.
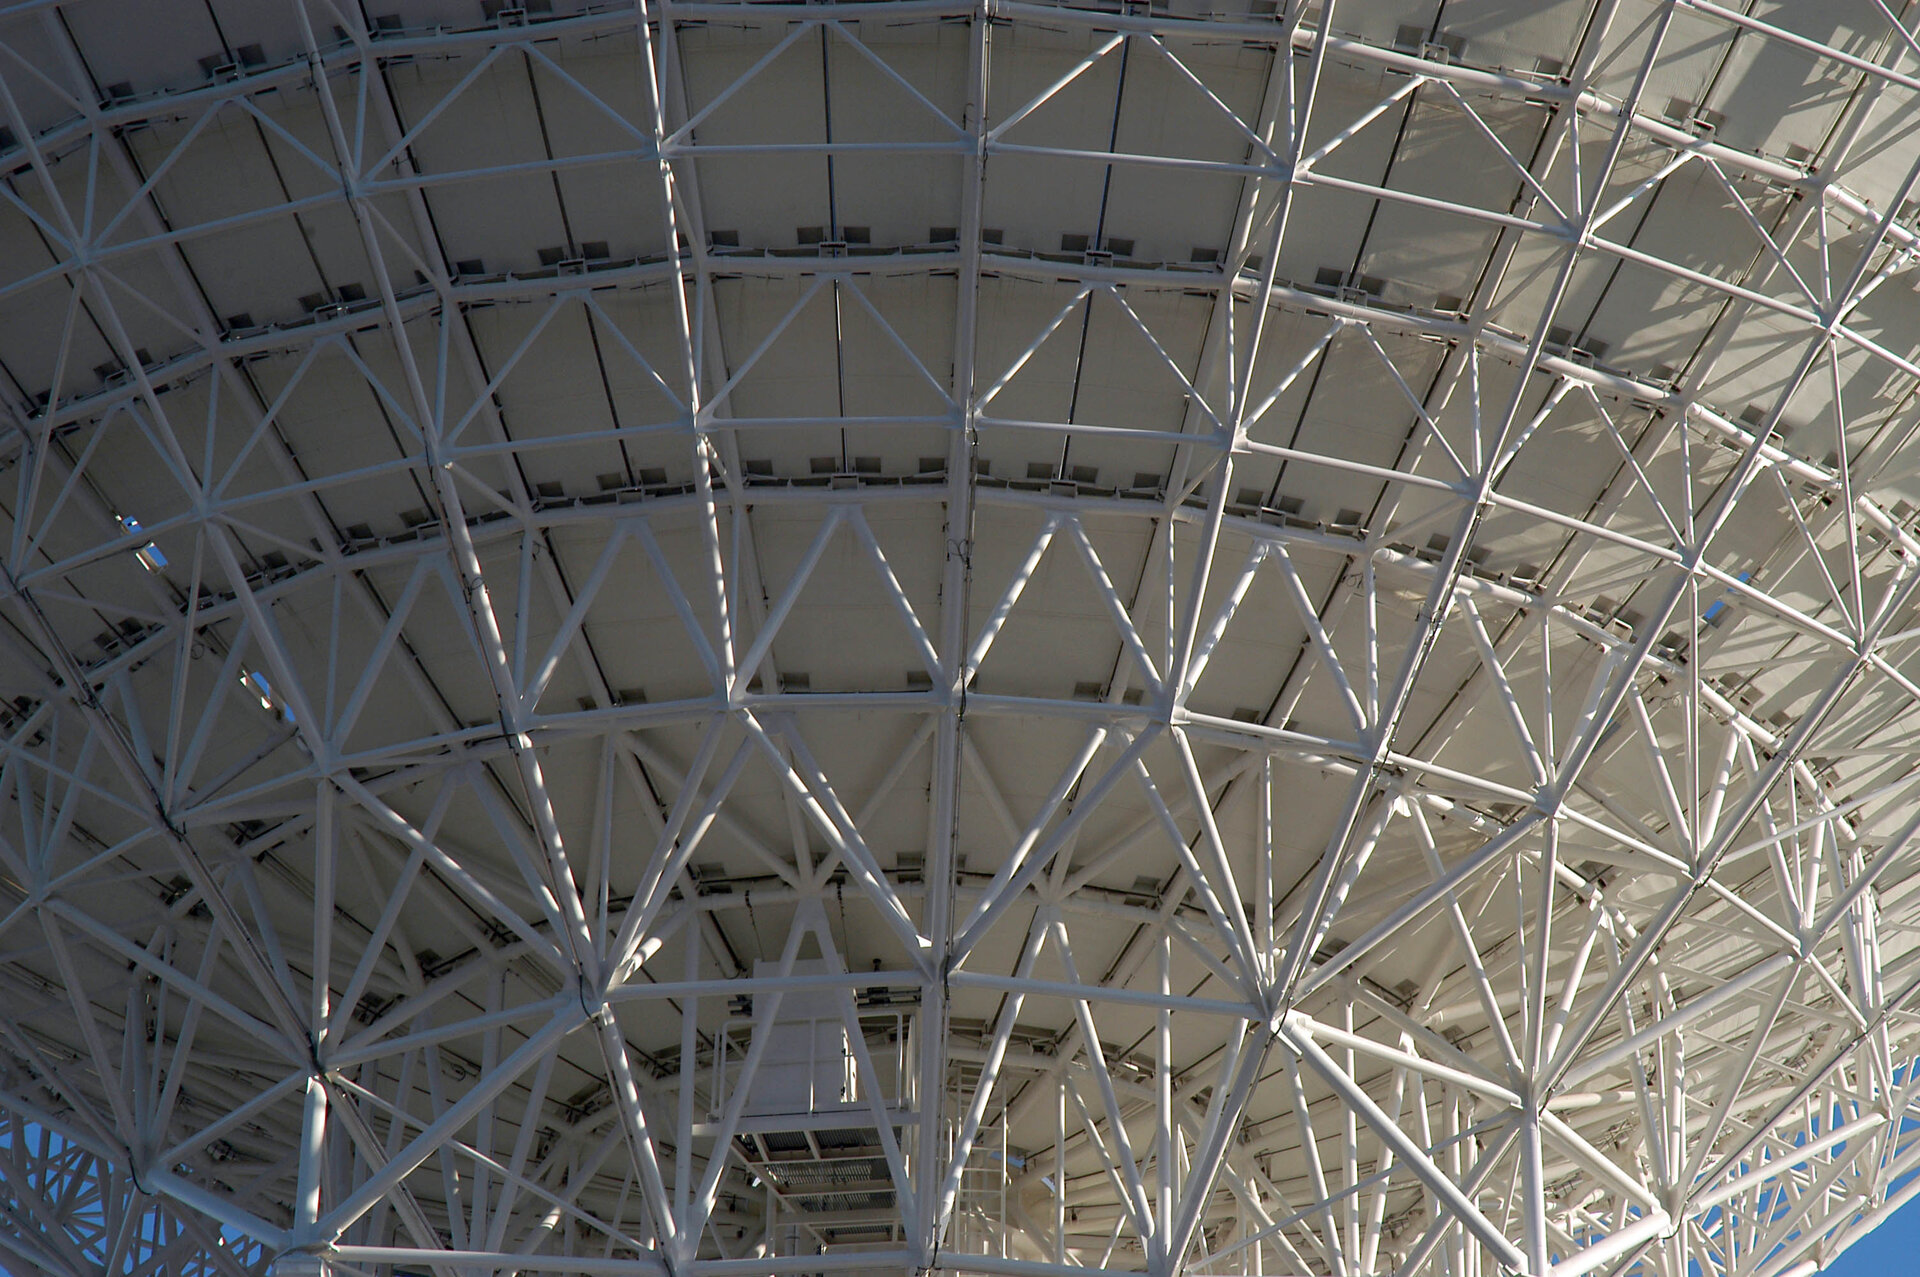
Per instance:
x=711, y=639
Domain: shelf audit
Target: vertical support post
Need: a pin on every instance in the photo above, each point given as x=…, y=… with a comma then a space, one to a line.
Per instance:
x=1060, y=1167
x=926, y=1219
x=1263, y=877
x=689, y=1072
x=324, y=847
x=300, y=1264
x=1164, y=1170
x=313, y=1139
x=1533, y=1190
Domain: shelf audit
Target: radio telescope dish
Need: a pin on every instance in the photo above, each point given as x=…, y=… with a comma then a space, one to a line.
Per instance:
x=990, y=637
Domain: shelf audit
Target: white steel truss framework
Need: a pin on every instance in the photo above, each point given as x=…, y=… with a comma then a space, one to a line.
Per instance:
x=1291, y=629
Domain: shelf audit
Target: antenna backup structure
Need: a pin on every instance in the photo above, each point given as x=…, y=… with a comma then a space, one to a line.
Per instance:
x=976, y=636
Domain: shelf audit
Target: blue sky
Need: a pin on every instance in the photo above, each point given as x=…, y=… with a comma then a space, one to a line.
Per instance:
x=1892, y=1248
